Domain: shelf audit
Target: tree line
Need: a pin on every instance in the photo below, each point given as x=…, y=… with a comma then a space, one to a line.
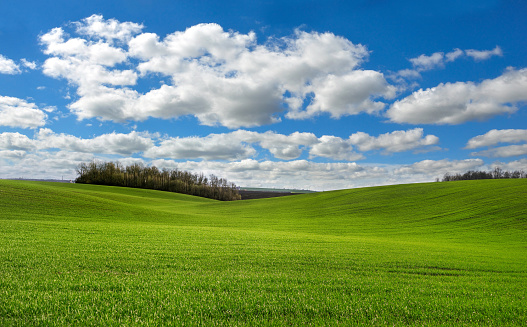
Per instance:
x=150, y=177
x=497, y=173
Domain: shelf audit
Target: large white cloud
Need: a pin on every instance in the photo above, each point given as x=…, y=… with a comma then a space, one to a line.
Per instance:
x=221, y=77
x=345, y=95
x=15, y=112
x=456, y=103
x=16, y=141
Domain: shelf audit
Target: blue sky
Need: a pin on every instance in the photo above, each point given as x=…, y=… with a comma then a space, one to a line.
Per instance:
x=291, y=94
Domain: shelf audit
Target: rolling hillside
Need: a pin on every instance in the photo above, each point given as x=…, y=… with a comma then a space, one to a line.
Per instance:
x=422, y=254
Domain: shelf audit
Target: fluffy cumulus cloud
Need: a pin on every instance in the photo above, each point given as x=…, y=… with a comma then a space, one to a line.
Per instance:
x=8, y=66
x=334, y=147
x=46, y=139
x=113, y=143
x=212, y=147
x=111, y=29
x=221, y=77
x=503, y=152
x=456, y=103
x=496, y=136
x=16, y=142
x=15, y=112
x=396, y=141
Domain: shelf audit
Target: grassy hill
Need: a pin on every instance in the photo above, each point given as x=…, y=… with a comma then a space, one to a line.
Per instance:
x=449, y=254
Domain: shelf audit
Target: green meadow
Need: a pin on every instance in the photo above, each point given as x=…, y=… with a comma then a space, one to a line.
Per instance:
x=434, y=254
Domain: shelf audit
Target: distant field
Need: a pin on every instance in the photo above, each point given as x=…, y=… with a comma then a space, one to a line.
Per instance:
x=248, y=193
x=446, y=254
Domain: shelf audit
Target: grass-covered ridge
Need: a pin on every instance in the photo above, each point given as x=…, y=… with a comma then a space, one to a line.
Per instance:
x=423, y=254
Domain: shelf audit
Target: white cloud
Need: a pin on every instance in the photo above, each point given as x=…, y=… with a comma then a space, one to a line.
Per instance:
x=335, y=148
x=41, y=164
x=503, y=152
x=237, y=145
x=28, y=64
x=8, y=66
x=424, y=62
x=396, y=141
x=484, y=54
x=438, y=60
x=222, y=78
x=113, y=143
x=286, y=147
x=496, y=136
x=85, y=63
x=97, y=27
x=241, y=144
x=518, y=165
x=453, y=55
x=12, y=155
x=15, y=141
x=212, y=147
x=456, y=103
x=438, y=168
x=345, y=95
x=46, y=139
x=234, y=146
x=15, y=112
x=408, y=73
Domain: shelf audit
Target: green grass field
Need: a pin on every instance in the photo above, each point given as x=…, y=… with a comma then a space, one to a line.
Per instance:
x=445, y=254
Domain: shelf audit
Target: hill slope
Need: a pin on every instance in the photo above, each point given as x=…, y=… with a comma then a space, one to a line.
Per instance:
x=437, y=254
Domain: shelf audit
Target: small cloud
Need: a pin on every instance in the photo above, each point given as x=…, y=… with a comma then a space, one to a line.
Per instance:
x=49, y=109
x=8, y=66
x=409, y=73
x=424, y=62
x=453, y=55
x=484, y=54
x=28, y=64
x=41, y=88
